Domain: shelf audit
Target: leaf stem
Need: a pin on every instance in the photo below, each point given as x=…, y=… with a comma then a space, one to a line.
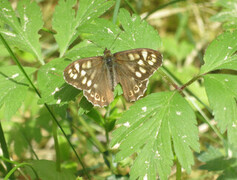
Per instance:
x=178, y=170
x=47, y=107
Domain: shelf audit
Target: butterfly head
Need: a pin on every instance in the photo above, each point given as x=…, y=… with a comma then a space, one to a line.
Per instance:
x=107, y=53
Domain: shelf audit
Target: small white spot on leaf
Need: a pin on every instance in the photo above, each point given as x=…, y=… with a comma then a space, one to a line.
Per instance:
x=226, y=80
x=225, y=57
x=234, y=125
x=53, y=69
x=15, y=75
x=109, y=31
x=178, y=113
x=58, y=101
x=127, y=124
x=224, y=108
x=145, y=177
x=116, y=146
x=144, y=108
x=56, y=90
x=230, y=47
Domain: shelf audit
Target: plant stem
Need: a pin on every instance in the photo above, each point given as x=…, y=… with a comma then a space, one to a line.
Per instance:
x=56, y=146
x=47, y=107
x=4, y=148
x=178, y=170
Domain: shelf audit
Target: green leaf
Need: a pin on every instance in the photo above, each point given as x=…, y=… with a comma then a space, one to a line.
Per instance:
x=13, y=88
x=220, y=54
x=222, y=94
x=216, y=161
x=66, y=21
x=228, y=14
x=108, y=35
x=23, y=32
x=47, y=170
x=150, y=127
x=52, y=86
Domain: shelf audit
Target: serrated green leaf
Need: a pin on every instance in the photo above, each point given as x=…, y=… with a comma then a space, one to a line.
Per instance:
x=47, y=170
x=148, y=127
x=222, y=94
x=51, y=84
x=85, y=106
x=66, y=24
x=216, y=161
x=105, y=34
x=220, y=54
x=228, y=14
x=24, y=34
x=13, y=88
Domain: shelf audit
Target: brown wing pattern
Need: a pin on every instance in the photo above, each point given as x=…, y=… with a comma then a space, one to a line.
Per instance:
x=133, y=69
x=91, y=76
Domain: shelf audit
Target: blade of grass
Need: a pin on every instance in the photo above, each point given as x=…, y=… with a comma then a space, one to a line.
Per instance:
x=116, y=9
x=162, y=6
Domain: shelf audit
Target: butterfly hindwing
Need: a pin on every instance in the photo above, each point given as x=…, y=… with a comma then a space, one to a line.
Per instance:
x=91, y=75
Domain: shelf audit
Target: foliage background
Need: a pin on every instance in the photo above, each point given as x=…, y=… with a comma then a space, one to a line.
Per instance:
x=186, y=29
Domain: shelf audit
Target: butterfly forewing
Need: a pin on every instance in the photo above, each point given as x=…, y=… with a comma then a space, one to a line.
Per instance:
x=97, y=76
x=91, y=75
x=133, y=69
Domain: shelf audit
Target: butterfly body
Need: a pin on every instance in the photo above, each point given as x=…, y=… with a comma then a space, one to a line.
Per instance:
x=98, y=76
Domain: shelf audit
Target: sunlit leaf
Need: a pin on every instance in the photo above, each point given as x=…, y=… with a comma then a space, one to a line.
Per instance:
x=220, y=54
x=150, y=127
x=222, y=94
x=23, y=33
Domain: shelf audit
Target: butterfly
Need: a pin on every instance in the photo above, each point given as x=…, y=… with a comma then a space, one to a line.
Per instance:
x=97, y=76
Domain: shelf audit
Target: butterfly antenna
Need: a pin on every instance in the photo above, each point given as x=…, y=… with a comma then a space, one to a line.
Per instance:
x=115, y=39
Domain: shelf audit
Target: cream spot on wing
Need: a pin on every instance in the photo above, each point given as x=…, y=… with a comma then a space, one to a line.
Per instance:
x=142, y=70
x=93, y=75
x=88, y=64
x=153, y=55
x=92, y=94
x=131, y=57
x=153, y=60
x=140, y=62
x=151, y=63
x=75, y=76
x=103, y=99
x=144, y=54
x=83, y=73
x=71, y=75
x=70, y=70
x=84, y=65
x=97, y=97
x=136, y=56
x=136, y=88
x=77, y=67
x=89, y=83
x=130, y=93
x=138, y=74
x=84, y=80
x=95, y=85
